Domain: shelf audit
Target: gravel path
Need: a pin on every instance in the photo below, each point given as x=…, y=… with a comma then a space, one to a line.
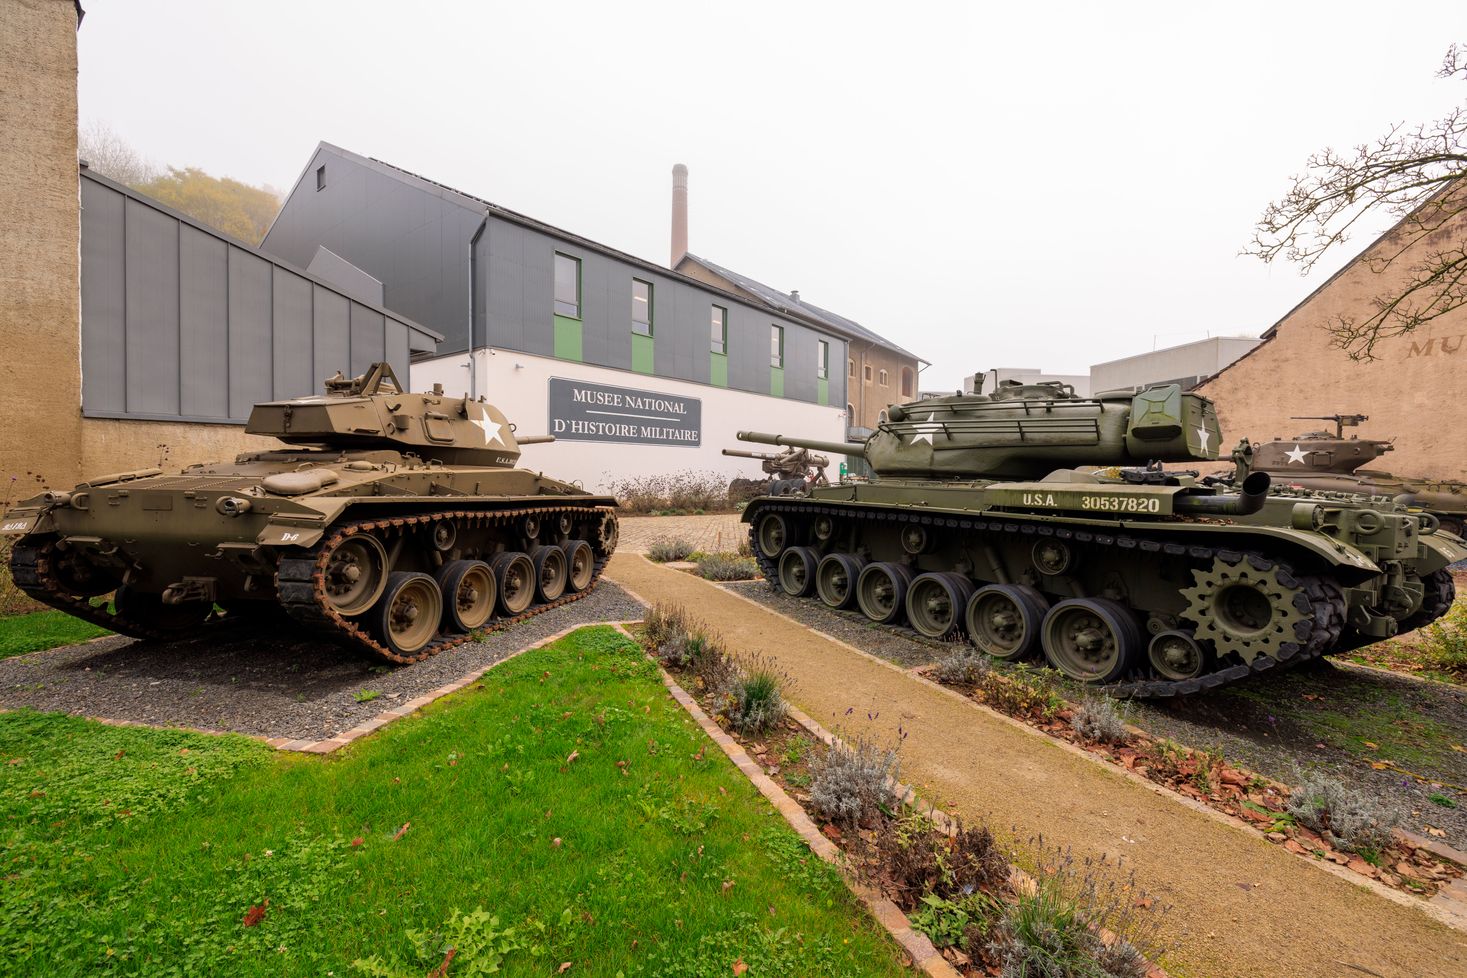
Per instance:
x=249, y=681
x=1239, y=906
x=1329, y=716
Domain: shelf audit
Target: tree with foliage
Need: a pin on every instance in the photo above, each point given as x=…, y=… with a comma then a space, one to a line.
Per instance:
x=230, y=206
x=107, y=153
x=1413, y=173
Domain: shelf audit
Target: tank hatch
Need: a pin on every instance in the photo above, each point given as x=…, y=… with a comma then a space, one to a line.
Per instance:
x=372, y=411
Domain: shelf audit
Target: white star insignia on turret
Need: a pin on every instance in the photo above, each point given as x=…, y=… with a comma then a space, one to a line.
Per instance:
x=489, y=427
x=1297, y=455
x=926, y=431
x=1203, y=436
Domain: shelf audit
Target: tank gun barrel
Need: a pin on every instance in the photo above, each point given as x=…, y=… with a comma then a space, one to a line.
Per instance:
x=834, y=447
x=534, y=439
x=737, y=453
x=1249, y=500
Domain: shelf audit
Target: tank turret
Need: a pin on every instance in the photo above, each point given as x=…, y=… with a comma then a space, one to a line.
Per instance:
x=1319, y=452
x=1025, y=431
x=372, y=411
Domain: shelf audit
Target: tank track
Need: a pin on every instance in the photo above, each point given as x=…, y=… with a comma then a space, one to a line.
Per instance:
x=300, y=586
x=300, y=580
x=1325, y=600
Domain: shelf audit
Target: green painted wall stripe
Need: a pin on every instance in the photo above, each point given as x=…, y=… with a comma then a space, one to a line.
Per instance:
x=641, y=353
x=568, y=338
x=718, y=369
x=822, y=390
x=776, y=381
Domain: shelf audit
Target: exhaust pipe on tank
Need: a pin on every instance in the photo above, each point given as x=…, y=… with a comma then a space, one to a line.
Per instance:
x=1249, y=500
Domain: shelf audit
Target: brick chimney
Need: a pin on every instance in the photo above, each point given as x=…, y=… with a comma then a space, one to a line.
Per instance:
x=679, y=214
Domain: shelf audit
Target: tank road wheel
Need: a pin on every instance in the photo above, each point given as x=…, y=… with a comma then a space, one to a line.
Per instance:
x=550, y=572
x=835, y=579
x=408, y=615
x=355, y=575
x=1004, y=619
x=149, y=610
x=580, y=563
x=797, y=571
x=1093, y=640
x=881, y=590
x=468, y=594
x=1254, y=607
x=515, y=573
x=936, y=603
x=774, y=533
x=1175, y=655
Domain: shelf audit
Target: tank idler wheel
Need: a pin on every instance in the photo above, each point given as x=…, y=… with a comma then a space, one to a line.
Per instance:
x=469, y=592
x=550, y=572
x=1094, y=640
x=797, y=571
x=409, y=613
x=515, y=573
x=150, y=610
x=1175, y=655
x=1004, y=620
x=835, y=579
x=881, y=590
x=580, y=563
x=774, y=534
x=355, y=575
x=1253, y=607
x=937, y=601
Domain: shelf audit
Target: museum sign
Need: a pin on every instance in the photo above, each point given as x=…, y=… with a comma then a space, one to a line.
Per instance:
x=583, y=411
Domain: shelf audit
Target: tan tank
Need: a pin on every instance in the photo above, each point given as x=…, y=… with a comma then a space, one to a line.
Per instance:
x=395, y=521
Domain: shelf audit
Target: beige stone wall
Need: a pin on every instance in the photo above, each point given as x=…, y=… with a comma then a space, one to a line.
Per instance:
x=1415, y=392
x=110, y=445
x=40, y=218
x=869, y=395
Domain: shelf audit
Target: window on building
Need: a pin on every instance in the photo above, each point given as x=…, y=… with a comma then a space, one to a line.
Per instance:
x=641, y=307
x=776, y=346
x=321, y=177
x=822, y=359
x=567, y=286
x=851, y=369
x=881, y=378
x=906, y=382
x=850, y=414
x=718, y=340
x=868, y=373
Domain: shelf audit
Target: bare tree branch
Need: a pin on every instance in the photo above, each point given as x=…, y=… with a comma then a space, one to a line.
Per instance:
x=1412, y=173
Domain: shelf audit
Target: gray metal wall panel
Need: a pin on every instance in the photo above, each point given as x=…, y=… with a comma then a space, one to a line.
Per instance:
x=250, y=359
x=367, y=339
x=332, y=334
x=103, y=287
x=799, y=363
x=397, y=349
x=152, y=310
x=291, y=336
x=203, y=324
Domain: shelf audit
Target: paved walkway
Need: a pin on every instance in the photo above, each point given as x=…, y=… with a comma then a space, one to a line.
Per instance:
x=710, y=534
x=1240, y=906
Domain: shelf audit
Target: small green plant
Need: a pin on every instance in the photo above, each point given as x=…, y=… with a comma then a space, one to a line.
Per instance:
x=755, y=699
x=1099, y=721
x=1445, y=645
x=954, y=923
x=727, y=567
x=365, y=695
x=669, y=549
x=963, y=665
x=853, y=781
x=1350, y=820
x=471, y=943
x=1437, y=798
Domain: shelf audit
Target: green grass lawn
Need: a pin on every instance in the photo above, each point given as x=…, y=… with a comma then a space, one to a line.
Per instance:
x=39, y=630
x=564, y=809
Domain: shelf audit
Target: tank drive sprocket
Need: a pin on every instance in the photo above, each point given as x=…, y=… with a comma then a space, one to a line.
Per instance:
x=1250, y=607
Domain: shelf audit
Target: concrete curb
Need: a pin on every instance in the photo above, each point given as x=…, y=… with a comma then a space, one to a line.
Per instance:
x=1448, y=907
x=924, y=956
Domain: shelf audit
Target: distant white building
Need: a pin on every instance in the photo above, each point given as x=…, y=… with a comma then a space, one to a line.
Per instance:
x=1025, y=375
x=1188, y=364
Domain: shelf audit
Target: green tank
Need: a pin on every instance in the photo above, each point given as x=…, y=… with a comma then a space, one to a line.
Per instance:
x=1146, y=581
x=1333, y=463
x=394, y=521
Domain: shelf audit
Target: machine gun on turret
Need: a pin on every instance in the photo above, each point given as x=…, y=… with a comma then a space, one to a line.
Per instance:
x=1342, y=421
x=786, y=472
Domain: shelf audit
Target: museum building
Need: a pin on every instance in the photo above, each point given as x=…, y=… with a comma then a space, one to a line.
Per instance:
x=636, y=368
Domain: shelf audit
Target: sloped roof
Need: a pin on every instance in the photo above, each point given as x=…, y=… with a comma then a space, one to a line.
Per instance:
x=784, y=302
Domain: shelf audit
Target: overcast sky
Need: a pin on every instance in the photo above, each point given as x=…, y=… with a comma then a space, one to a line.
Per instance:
x=1041, y=185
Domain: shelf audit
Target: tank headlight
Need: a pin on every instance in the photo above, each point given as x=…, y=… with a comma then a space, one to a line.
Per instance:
x=1307, y=516
x=233, y=505
x=57, y=499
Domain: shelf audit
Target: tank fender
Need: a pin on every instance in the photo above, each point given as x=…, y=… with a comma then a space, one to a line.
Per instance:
x=1440, y=549
x=290, y=534
x=24, y=522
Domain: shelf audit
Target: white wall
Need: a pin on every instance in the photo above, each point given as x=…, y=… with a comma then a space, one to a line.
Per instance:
x=1199, y=359
x=516, y=383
